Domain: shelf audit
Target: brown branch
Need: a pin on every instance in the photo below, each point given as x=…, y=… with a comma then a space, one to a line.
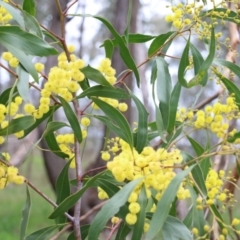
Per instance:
x=113, y=230
x=59, y=234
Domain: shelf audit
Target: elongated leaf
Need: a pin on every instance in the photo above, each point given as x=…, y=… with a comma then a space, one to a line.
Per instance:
x=141, y=135
x=62, y=189
x=218, y=215
x=110, y=188
x=104, y=91
x=29, y=6
x=71, y=117
x=175, y=229
x=110, y=209
x=85, y=84
x=205, y=163
x=17, y=125
x=4, y=97
x=164, y=88
x=25, y=60
x=71, y=200
x=173, y=107
x=117, y=117
x=138, y=226
x=23, y=83
x=53, y=126
x=39, y=121
x=25, y=215
x=184, y=63
x=231, y=66
x=107, y=121
x=123, y=231
x=27, y=42
x=231, y=87
x=42, y=234
x=109, y=48
x=95, y=75
x=84, y=232
x=54, y=146
x=164, y=205
x=124, y=52
x=16, y=14
x=31, y=24
x=129, y=15
x=201, y=78
x=157, y=43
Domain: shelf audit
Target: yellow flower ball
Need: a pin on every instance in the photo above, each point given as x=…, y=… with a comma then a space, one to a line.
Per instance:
x=105, y=156
x=235, y=221
x=13, y=62
x=115, y=220
x=131, y=218
x=85, y=121
x=71, y=48
x=2, y=140
x=123, y=107
x=19, y=179
x=134, y=207
x=29, y=108
x=7, y=56
x=18, y=100
x=195, y=231
x=39, y=67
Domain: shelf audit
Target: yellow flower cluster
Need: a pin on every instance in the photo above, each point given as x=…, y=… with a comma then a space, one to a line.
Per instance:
x=215, y=118
x=13, y=61
x=155, y=166
x=109, y=73
x=5, y=16
x=9, y=175
x=11, y=110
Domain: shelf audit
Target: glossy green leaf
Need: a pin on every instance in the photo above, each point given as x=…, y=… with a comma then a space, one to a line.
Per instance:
x=231, y=87
x=109, y=48
x=72, y=118
x=201, y=77
x=27, y=42
x=205, y=163
x=218, y=215
x=23, y=83
x=31, y=24
x=54, y=146
x=164, y=205
x=197, y=60
x=134, y=38
x=195, y=217
x=129, y=16
x=154, y=72
x=184, y=63
x=110, y=209
x=175, y=229
x=4, y=97
x=117, y=118
x=25, y=215
x=30, y=7
x=42, y=234
x=110, y=188
x=62, y=189
x=25, y=60
x=159, y=122
x=231, y=66
x=141, y=134
x=123, y=231
x=84, y=232
x=39, y=121
x=107, y=121
x=85, y=84
x=95, y=75
x=53, y=126
x=173, y=107
x=104, y=91
x=163, y=88
x=17, y=125
x=124, y=51
x=158, y=42
x=71, y=200
x=138, y=226
x=16, y=14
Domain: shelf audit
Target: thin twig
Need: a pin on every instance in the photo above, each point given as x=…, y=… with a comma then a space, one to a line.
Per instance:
x=59, y=234
x=65, y=11
x=92, y=170
x=113, y=230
